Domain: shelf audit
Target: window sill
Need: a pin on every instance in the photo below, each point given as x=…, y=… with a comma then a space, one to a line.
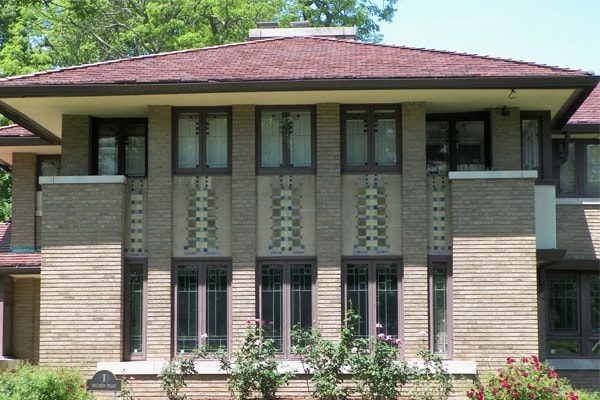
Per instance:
x=211, y=367
x=493, y=174
x=577, y=201
x=84, y=179
x=575, y=364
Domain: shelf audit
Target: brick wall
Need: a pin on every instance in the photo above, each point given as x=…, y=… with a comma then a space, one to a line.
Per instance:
x=80, y=294
x=506, y=139
x=158, y=236
x=23, y=199
x=243, y=217
x=329, y=223
x=414, y=228
x=75, y=159
x=494, y=267
x=578, y=230
x=26, y=319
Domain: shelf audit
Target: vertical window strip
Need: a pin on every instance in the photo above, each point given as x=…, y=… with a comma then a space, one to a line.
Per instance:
x=135, y=149
x=385, y=138
x=272, y=303
x=592, y=169
x=300, y=139
x=530, y=144
x=387, y=298
x=440, y=308
x=187, y=308
x=216, y=140
x=357, y=281
x=188, y=143
x=135, y=281
x=301, y=296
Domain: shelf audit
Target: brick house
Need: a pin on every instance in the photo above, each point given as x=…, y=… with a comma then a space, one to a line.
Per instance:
x=453, y=198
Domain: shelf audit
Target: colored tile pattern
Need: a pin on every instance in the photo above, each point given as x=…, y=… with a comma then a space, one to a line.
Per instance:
x=202, y=222
x=136, y=245
x=286, y=227
x=371, y=217
x=439, y=240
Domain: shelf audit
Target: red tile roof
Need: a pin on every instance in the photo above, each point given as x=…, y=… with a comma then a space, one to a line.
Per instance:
x=589, y=111
x=291, y=58
x=9, y=259
x=14, y=131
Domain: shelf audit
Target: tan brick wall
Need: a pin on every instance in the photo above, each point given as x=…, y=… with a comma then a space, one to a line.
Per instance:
x=578, y=230
x=414, y=228
x=23, y=200
x=494, y=267
x=506, y=139
x=243, y=217
x=80, y=294
x=75, y=159
x=159, y=237
x=26, y=319
x=329, y=223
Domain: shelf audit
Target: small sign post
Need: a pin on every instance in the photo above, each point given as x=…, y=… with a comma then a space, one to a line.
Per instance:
x=103, y=381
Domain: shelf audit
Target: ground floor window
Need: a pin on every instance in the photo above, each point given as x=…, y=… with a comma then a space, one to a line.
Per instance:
x=286, y=298
x=135, y=280
x=201, y=305
x=440, y=305
x=372, y=290
x=572, y=314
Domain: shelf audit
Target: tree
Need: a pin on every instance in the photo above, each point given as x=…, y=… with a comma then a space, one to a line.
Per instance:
x=5, y=195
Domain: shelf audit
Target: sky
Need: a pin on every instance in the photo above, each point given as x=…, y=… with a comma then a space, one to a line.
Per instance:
x=563, y=33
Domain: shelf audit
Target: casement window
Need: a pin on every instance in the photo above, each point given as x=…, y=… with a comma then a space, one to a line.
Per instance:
x=135, y=289
x=286, y=298
x=457, y=142
x=47, y=165
x=119, y=147
x=440, y=306
x=372, y=290
x=285, y=139
x=202, y=290
x=572, y=314
x=202, y=140
x=531, y=142
x=577, y=167
x=371, y=137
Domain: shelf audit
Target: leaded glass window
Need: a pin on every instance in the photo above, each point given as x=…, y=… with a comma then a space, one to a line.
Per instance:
x=135, y=299
x=440, y=273
x=119, y=147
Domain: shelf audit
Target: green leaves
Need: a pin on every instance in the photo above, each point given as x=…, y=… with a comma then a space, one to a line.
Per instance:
x=5, y=195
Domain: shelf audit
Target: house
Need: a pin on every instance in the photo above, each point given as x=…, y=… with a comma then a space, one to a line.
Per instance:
x=296, y=174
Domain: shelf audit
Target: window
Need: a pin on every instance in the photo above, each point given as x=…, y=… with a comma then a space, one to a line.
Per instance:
x=135, y=310
x=458, y=142
x=371, y=138
x=201, y=305
x=286, y=139
x=573, y=314
x=531, y=140
x=372, y=291
x=286, y=299
x=47, y=165
x=577, y=167
x=440, y=305
x=119, y=147
x=202, y=140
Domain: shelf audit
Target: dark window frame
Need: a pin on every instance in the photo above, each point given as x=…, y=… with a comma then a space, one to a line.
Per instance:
x=581, y=190
x=372, y=289
x=371, y=165
x=545, y=170
x=202, y=169
x=38, y=168
x=286, y=263
x=452, y=119
x=583, y=333
x=433, y=262
x=201, y=264
x=286, y=168
x=127, y=355
x=121, y=141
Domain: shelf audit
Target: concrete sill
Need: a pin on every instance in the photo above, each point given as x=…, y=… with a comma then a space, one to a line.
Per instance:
x=562, y=201
x=211, y=367
x=493, y=175
x=575, y=364
x=84, y=179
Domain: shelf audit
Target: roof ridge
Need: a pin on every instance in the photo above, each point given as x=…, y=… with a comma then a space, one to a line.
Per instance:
x=9, y=126
x=425, y=49
x=134, y=58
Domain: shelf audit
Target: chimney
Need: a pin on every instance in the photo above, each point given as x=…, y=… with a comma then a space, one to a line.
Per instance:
x=267, y=30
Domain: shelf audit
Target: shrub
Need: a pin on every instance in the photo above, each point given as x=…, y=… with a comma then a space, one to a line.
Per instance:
x=524, y=379
x=173, y=374
x=29, y=382
x=254, y=366
x=430, y=382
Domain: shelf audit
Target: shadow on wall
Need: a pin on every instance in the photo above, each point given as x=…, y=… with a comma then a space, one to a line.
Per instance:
x=578, y=230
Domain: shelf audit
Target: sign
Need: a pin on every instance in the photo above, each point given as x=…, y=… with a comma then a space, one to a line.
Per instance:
x=103, y=381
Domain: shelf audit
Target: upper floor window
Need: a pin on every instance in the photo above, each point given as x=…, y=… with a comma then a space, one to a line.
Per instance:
x=573, y=314
x=119, y=147
x=531, y=141
x=286, y=298
x=457, y=142
x=372, y=292
x=202, y=305
x=371, y=138
x=286, y=139
x=47, y=165
x=440, y=303
x=202, y=140
x=577, y=167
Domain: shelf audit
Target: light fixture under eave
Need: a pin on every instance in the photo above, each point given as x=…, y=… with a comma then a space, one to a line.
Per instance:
x=512, y=94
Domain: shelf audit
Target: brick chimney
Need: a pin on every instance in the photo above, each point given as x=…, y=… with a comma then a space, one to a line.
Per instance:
x=266, y=30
